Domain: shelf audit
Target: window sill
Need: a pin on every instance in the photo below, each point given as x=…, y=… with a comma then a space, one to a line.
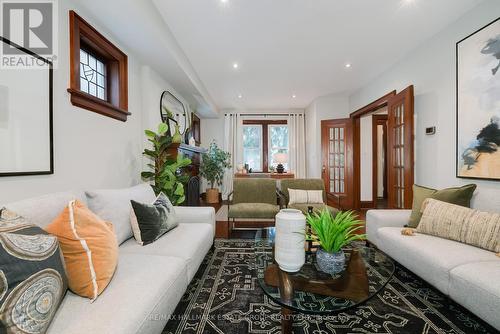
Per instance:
x=92, y=103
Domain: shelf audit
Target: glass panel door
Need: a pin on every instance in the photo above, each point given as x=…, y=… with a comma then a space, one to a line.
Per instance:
x=336, y=142
x=400, y=149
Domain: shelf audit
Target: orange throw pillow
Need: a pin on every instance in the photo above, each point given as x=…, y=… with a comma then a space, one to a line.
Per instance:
x=89, y=248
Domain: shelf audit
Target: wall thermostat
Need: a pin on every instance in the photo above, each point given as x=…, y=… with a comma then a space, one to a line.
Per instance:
x=430, y=130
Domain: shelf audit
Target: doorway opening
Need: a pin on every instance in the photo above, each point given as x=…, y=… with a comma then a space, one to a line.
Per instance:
x=379, y=147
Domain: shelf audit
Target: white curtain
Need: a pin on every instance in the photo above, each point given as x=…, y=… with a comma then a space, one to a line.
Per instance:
x=233, y=137
x=297, y=144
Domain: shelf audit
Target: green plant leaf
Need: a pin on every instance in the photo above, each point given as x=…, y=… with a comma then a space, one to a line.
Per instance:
x=150, y=133
x=162, y=128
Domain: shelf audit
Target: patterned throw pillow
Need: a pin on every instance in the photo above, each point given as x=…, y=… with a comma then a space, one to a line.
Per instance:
x=454, y=222
x=299, y=196
x=151, y=221
x=32, y=276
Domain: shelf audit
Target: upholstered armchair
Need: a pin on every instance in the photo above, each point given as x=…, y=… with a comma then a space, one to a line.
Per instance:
x=253, y=198
x=304, y=184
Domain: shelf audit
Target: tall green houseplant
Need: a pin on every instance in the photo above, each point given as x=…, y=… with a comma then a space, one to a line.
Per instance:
x=214, y=164
x=167, y=174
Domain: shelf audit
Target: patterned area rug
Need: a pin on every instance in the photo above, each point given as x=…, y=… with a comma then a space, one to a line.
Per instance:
x=225, y=297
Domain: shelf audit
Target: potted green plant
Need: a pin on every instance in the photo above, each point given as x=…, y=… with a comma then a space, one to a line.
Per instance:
x=213, y=166
x=333, y=233
x=167, y=174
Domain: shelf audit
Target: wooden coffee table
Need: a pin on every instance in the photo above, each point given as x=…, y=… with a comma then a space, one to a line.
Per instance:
x=313, y=292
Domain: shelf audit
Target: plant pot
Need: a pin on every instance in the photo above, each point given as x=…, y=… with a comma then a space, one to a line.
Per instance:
x=330, y=263
x=212, y=195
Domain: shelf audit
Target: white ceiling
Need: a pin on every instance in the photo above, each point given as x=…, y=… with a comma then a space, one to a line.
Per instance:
x=286, y=47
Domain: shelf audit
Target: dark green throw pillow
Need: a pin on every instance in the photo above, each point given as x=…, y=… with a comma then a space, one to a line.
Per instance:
x=457, y=195
x=151, y=221
x=32, y=276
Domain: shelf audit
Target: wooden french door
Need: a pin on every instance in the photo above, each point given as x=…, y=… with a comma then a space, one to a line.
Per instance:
x=337, y=161
x=400, y=153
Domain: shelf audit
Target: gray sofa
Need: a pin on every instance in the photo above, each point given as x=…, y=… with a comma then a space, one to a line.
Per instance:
x=149, y=280
x=467, y=274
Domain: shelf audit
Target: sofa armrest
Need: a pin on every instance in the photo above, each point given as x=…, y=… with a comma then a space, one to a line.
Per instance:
x=201, y=214
x=376, y=219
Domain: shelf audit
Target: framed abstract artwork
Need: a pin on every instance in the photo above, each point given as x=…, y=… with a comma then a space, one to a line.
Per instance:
x=478, y=104
x=26, y=125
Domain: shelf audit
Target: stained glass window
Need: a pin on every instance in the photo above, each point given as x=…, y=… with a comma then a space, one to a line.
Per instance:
x=92, y=75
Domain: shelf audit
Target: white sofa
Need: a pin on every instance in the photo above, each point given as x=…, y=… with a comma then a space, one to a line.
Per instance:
x=467, y=274
x=149, y=280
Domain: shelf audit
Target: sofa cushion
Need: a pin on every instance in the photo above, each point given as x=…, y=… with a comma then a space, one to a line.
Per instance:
x=140, y=298
x=305, y=196
x=253, y=210
x=316, y=208
x=477, y=287
x=376, y=219
x=473, y=227
x=32, y=275
x=190, y=242
x=89, y=248
x=114, y=206
x=44, y=209
x=254, y=190
x=457, y=195
x=152, y=220
x=430, y=257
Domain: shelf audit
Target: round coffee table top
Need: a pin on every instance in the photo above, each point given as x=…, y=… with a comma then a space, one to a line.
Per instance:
x=311, y=291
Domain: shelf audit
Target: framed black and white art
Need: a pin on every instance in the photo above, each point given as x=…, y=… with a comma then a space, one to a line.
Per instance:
x=478, y=104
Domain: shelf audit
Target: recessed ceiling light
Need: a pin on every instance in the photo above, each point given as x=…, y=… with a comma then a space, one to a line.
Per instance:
x=240, y=96
x=235, y=65
x=348, y=65
x=294, y=96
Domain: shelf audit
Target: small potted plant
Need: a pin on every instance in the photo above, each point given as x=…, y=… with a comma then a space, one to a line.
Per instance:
x=213, y=166
x=333, y=233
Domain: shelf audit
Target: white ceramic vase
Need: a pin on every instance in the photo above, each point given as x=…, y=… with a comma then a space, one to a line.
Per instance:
x=290, y=239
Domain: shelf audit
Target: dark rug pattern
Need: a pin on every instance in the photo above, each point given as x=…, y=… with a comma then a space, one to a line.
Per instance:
x=225, y=297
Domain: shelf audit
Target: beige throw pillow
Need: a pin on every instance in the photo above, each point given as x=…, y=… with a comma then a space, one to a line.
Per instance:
x=305, y=196
x=454, y=222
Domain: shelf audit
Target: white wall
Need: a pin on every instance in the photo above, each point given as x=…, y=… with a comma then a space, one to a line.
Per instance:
x=431, y=68
x=322, y=108
x=91, y=151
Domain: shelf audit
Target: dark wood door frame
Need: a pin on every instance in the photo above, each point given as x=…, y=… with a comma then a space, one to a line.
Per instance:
x=376, y=121
x=356, y=117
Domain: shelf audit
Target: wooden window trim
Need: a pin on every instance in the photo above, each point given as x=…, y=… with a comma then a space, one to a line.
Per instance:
x=265, y=138
x=83, y=34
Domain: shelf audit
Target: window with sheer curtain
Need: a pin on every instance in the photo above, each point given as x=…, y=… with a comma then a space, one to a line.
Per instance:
x=262, y=139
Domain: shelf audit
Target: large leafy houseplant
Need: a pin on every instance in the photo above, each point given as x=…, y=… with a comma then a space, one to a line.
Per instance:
x=167, y=174
x=214, y=164
x=333, y=233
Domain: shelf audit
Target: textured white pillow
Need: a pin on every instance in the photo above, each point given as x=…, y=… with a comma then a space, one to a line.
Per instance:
x=113, y=205
x=299, y=196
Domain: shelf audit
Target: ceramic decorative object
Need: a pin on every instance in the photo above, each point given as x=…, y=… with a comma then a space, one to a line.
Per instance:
x=192, y=141
x=240, y=168
x=330, y=263
x=177, y=138
x=290, y=240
